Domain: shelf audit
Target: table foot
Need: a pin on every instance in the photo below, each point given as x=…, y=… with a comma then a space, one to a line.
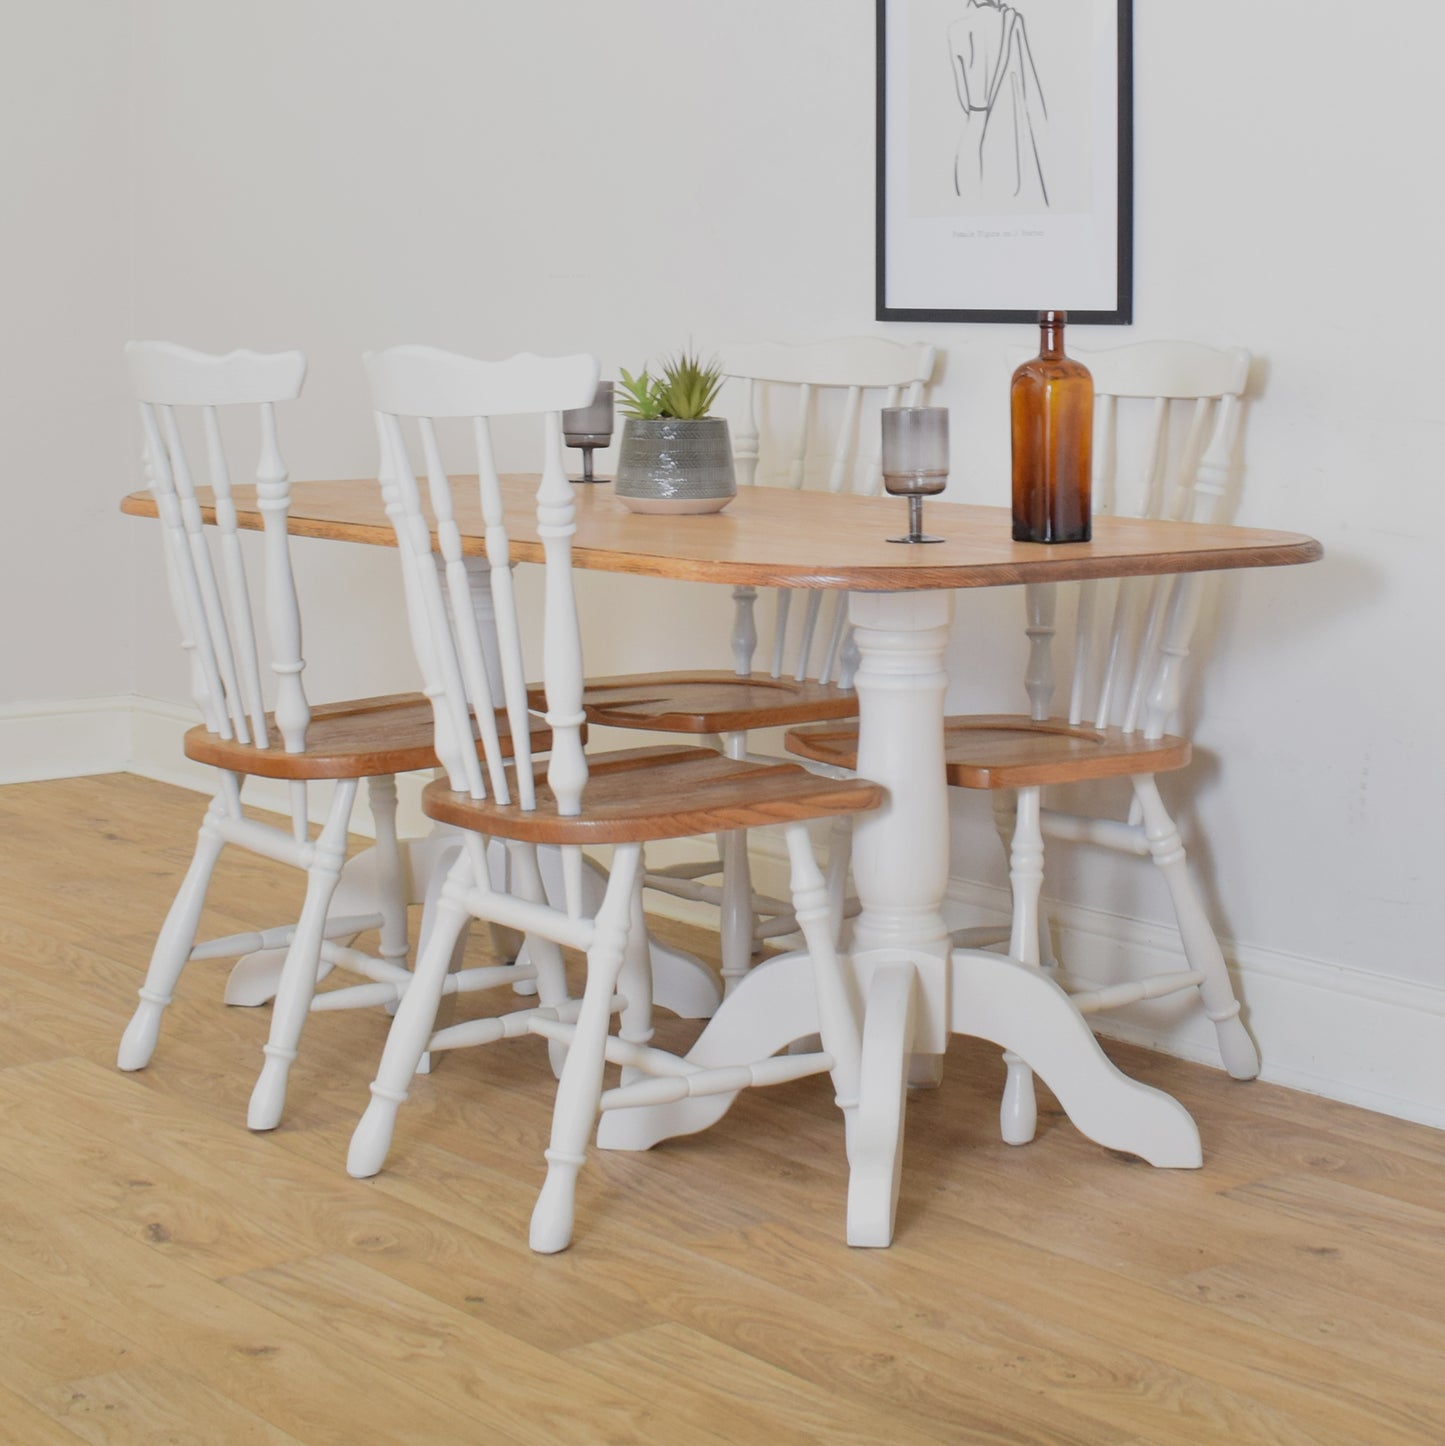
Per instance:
x=875, y=1142
x=1018, y=1114
x=682, y=984
x=254, y=978
x=771, y=1006
x=1025, y=1012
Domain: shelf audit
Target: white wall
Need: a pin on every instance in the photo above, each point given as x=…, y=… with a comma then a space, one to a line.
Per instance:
x=623, y=178
x=65, y=234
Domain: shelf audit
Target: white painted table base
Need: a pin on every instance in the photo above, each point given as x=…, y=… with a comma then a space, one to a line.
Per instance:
x=916, y=991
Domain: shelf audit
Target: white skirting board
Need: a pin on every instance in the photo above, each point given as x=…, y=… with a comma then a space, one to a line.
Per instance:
x=1324, y=1028
x=64, y=740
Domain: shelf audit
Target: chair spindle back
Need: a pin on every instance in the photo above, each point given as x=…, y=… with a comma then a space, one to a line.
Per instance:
x=819, y=400
x=1166, y=426
x=471, y=667
x=212, y=603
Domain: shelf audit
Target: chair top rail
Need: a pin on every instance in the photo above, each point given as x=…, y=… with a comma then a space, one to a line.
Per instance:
x=425, y=381
x=165, y=374
x=864, y=361
x=1176, y=370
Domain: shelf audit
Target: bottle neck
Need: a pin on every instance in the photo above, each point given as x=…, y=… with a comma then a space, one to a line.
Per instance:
x=1051, y=339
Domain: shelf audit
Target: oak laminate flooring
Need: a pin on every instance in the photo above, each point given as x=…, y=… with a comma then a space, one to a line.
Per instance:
x=153, y=1404
x=52, y=1343
x=778, y=1407
x=167, y=1276
x=439, y=1348
x=28, y=1423
x=1362, y=1332
x=1268, y=1366
x=938, y=1389
x=1055, y=1363
x=1087, y=1222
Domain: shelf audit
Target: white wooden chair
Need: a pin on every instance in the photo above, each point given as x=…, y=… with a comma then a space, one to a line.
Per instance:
x=809, y=418
x=623, y=799
x=181, y=394
x=1122, y=681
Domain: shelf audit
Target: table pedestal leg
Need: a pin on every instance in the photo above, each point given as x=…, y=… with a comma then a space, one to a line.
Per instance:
x=1013, y=1005
x=900, y=850
x=875, y=1151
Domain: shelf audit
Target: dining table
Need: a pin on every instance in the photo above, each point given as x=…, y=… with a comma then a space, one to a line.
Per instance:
x=913, y=988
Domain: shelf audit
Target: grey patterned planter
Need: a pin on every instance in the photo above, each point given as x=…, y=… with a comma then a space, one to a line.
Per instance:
x=666, y=464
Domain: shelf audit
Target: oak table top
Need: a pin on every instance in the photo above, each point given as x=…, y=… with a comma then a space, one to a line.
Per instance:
x=778, y=537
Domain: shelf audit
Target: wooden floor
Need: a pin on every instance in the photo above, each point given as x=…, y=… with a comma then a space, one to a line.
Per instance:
x=166, y=1276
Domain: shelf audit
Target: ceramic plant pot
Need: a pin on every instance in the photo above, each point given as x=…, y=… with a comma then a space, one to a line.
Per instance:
x=666, y=464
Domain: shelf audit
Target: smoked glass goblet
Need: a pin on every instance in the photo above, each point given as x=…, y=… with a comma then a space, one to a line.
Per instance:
x=589, y=428
x=915, y=460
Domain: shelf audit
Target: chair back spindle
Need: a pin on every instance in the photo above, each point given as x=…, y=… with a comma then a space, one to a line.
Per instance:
x=1131, y=637
x=212, y=602
x=789, y=393
x=471, y=657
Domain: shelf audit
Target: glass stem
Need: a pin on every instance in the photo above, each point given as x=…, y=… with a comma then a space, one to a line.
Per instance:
x=587, y=465
x=915, y=518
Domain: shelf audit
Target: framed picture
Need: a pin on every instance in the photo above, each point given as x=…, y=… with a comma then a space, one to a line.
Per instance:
x=1005, y=160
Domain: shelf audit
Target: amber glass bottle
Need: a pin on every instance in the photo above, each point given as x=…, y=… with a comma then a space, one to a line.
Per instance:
x=1053, y=432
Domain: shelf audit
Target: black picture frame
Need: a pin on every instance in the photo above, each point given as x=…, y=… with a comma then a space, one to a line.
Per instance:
x=948, y=258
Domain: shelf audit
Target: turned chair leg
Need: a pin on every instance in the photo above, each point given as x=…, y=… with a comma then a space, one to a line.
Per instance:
x=411, y=1029
x=173, y=945
x=391, y=880
x=545, y=955
x=1005, y=811
x=1018, y=1113
x=1201, y=944
x=297, y=986
x=1005, y=817
x=580, y=1089
x=635, y=981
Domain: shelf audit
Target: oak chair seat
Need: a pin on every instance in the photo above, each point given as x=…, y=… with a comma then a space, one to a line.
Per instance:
x=643, y=794
x=1008, y=750
x=713, y=701
x=359, y=738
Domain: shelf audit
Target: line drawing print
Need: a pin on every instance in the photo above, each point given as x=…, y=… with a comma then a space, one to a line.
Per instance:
x=1000, y=153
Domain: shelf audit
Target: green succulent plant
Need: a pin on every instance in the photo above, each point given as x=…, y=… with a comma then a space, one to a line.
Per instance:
x=686, y=389
x=639, y=396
